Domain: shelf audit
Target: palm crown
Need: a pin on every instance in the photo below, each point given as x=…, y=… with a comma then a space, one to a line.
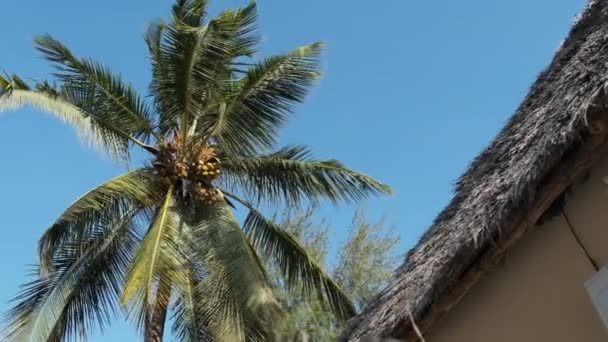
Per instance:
x=162, y=237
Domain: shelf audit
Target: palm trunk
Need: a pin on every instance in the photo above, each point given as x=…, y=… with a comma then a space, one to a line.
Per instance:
x=155, y=322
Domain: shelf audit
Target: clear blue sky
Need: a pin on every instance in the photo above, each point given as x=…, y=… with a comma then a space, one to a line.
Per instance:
x=413, y=90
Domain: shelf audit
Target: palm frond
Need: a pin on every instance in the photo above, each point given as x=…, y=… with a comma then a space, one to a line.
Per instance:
x=105, y=203
x=195, y=58
x=188, y=320
x=300, y=270
x=98, y=91
x=153, y=38
x=237, y=301
x=175, y=53
x=92, y=129
x=292, y=174
x=82, y=291
x=154, y=264
x=189, y=324
x=260, y=103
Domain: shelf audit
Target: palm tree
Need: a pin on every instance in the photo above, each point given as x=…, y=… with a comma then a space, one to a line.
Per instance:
x=163, y=237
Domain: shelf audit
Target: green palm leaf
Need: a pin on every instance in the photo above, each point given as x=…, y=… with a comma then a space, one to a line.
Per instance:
x=237, y=300
x=301, y=270
x=260, y=103
x=80, y=293
x=154, y=265
x=104, y=203
x=107, y=135
x=98, y=91
x=292, y=174
x=192, y=59
x=189, y=323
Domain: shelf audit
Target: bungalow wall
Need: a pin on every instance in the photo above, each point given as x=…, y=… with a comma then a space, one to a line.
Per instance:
x=538, y=293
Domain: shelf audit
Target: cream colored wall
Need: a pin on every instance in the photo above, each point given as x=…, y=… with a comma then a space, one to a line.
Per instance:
x=538, y=294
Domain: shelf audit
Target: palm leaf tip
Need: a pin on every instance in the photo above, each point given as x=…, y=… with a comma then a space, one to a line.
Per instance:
x=52, y=49
x=189, y=12
x=310, y=52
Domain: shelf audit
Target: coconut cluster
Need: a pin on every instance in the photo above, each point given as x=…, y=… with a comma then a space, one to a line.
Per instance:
x=205, y=193
x=196, y=166
x=170, y=164
x=207, y=169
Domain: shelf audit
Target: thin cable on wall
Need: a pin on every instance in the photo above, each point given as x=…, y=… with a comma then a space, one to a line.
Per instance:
x=578, y=240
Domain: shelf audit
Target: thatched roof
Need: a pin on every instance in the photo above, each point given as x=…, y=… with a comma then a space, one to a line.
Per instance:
x=553, y=138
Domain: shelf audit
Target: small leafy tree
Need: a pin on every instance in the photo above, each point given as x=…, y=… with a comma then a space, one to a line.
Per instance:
x=364, y=263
